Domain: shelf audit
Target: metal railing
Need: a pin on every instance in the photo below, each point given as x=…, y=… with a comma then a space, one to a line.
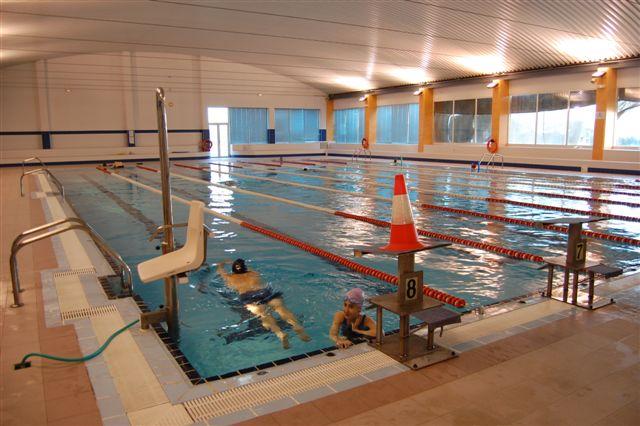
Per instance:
x=44, y=169
x=360, y=152
x=73, y=223
x=491, y=160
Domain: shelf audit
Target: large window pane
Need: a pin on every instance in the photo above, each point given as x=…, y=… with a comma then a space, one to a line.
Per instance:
x=297, y=125
x=247, y=125
x=483, y=120
x=397, y=124
x=582, y=114
x=522, y=120
x=463, y=115
x=443, y=121
x=627, y=127
x=552, y=118
x=348, y=125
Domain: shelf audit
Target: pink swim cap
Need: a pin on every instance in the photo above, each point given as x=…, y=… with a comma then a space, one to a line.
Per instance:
x=355, y=296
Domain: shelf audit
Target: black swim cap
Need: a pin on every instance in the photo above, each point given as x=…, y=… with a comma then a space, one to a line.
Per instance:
x=239, y=267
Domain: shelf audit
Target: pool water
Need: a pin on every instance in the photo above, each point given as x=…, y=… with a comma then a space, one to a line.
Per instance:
x=219, y=335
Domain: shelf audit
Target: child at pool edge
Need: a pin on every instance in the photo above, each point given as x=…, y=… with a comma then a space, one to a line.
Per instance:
x=258, y=299
x=349, y=326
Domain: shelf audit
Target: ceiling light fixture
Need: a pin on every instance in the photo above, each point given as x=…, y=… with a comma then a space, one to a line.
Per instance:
x=259, y=94
x=419, y=91
x=362, y=98
x=67, y=90
x=599, y=72
x=493, y=84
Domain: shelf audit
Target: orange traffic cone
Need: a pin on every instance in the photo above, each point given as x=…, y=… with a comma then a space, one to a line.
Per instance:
x=404, y=236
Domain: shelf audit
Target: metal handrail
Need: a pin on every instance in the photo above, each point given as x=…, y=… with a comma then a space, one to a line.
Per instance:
x=74, y=224
x=491, y=160
x=44, y=169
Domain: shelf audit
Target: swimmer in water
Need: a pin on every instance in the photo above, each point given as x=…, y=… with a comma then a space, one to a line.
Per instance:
x=349, y=326
x=258, y=299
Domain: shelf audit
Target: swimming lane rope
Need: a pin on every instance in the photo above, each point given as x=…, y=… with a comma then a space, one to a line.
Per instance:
x=516, y=254
x=448, y=194
x=363, y=269
x=488, y=188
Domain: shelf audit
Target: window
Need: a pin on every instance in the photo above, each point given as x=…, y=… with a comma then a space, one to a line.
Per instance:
x=218, y=118
x=463, y=121
x=348, y=125
x=522, y=119
x=397, y=124
x=582, y=111
x=247, y=125
x=627, y=129
x=297, y=125
x=552, y=118
x=565, y=118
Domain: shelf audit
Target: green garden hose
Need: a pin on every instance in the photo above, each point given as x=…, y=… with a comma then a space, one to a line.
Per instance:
x=25, y=364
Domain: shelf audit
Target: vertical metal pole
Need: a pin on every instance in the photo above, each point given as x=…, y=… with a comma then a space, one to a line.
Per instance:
x=549, y=280
x=379, y=334
x=592, y=279
x=574, y=295
x=170, y=293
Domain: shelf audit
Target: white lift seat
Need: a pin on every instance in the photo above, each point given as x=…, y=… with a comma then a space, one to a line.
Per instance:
x=185, y=259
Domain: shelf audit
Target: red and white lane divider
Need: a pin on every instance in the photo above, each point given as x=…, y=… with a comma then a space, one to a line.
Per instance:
x=262, y=164
x=516, y=254
x=442, y=193
x=487, y=188
x=532, y=224
x=363, y=269
x=518, y=175
x=504, y=180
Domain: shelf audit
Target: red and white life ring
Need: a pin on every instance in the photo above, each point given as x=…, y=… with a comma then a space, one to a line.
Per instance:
x=206, y=145
x=365, y=143
x=492, y=146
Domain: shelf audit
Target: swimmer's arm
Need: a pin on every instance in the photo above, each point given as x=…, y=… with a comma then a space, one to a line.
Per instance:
x=334, y=333
x=222, y=272
x=371, y=332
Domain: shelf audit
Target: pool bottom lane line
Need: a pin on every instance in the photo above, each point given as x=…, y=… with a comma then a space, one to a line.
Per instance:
x=363, y=269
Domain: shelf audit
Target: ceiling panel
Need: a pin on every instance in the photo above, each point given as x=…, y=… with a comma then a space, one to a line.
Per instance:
x=332, y=46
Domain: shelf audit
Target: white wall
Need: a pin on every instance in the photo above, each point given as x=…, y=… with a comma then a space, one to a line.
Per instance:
x=115, y=91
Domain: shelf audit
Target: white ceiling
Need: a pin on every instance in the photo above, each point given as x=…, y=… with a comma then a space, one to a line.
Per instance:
x=322, y=47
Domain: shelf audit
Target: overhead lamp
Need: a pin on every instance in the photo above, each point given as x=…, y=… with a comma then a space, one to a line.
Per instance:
x=599, y=72
x=493, y=84
x=418, y=91
x=362, y=98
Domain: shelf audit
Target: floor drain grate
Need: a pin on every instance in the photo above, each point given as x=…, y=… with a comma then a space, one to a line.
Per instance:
x=75, y=272
x=93, y=311
x=255, y=394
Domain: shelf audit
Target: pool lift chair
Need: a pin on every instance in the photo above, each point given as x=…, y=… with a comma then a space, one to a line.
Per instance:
x=188, y=258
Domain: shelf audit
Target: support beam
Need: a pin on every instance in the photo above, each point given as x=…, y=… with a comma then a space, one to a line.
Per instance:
x=329, y=120
x=606, y=108
x=370, y=120
x=425, y=118
x=500, y=113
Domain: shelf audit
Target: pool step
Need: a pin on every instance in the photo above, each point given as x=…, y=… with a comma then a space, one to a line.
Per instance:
x=255, y=394
x=75, y=272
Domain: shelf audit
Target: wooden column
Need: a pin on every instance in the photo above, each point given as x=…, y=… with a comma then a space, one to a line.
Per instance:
x=329, y=120
x=606, y=108
x=370, y=114
x=500, y=113
x=425, y=119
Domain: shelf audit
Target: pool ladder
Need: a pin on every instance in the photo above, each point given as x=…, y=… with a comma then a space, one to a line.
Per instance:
x=44, y=169
x=492, y=159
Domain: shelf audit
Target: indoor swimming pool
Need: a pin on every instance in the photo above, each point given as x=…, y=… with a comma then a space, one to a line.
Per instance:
x=218, y=335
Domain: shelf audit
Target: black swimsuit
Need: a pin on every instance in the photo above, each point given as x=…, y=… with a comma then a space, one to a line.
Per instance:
x=350, y=334
x=260, y=297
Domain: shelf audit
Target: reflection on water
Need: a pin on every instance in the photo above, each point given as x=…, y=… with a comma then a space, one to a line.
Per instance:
x=218, y=332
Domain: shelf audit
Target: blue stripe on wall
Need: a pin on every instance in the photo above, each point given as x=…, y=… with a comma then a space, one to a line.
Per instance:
x=322, y=135
x=271, y=135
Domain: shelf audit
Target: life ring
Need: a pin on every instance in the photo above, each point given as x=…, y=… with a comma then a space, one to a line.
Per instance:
x=365, y=143
x=206, y=145
x=492, y=146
